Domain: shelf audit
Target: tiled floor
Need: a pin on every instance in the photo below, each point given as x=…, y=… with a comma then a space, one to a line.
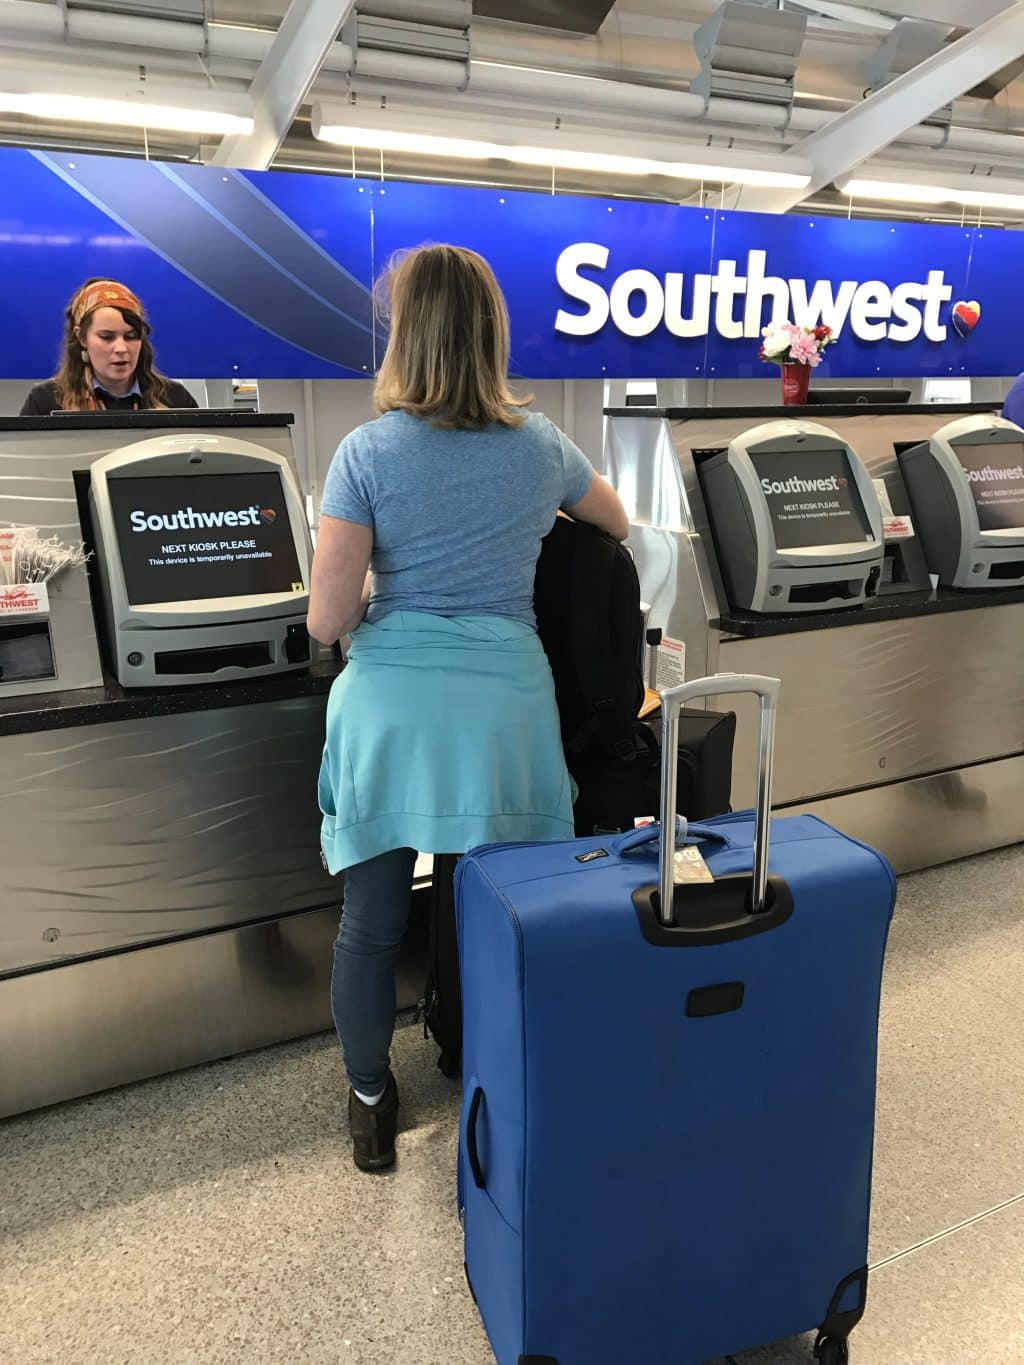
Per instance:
x=215, y=1217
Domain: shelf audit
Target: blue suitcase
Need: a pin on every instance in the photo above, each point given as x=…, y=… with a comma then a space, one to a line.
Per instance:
x=667, y=1124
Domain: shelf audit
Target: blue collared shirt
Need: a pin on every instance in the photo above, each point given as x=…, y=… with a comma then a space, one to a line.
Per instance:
x=108, y=397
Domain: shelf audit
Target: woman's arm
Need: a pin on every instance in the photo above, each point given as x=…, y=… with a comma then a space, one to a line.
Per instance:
x=602, y=507
x=340, y=587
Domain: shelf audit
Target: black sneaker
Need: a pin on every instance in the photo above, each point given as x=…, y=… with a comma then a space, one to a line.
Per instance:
x=373, y=1128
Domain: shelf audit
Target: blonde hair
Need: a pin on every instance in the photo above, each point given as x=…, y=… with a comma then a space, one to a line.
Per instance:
x=447, y=354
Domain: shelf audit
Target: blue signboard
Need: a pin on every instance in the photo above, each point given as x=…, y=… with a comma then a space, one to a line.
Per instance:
x=269, y=275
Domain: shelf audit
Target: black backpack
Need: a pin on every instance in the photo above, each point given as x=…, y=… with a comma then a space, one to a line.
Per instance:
x=587, y=599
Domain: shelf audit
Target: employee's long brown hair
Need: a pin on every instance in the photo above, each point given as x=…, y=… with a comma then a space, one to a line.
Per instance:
x=447, y=354
x=74, y=377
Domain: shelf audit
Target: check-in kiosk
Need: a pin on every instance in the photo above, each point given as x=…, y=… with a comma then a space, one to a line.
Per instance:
x=901, y=722
x=795, y=519
x=203, y=555
x=966, y=487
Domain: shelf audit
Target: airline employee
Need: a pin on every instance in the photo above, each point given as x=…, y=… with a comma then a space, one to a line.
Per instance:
x=106, y=360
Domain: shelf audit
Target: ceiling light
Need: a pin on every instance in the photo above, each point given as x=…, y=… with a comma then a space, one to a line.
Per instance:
x=969, y=192
x=329, y=127
x=124, y=113
x=902, y=193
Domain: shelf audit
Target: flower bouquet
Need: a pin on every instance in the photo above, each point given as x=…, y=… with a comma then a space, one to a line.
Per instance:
x=797, y=350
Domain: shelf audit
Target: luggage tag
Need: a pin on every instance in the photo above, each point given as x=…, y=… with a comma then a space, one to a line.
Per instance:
x=689, y=866
x=688, y=863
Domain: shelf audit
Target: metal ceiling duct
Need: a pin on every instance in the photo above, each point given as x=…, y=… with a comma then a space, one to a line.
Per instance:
x=911, y=42
x=569, y=16
x=183, y=11
x=442, y=36
x=749, y=53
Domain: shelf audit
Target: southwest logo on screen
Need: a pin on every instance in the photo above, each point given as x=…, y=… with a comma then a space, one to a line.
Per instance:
x=794, y=484
x=268, y=516
x=987, y=474
x=187, y=519
x=732, y=304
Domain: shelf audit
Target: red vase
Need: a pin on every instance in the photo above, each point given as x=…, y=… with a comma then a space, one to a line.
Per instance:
x=795, y=382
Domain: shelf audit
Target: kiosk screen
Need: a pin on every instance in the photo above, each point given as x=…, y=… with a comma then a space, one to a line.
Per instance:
x=996, y=476
x=812, y=498
x=190, y=538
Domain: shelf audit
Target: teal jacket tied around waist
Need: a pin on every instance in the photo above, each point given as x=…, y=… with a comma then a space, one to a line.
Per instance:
x=442, y=734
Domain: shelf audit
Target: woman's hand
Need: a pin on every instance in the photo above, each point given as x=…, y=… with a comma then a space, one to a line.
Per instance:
x=340, y=587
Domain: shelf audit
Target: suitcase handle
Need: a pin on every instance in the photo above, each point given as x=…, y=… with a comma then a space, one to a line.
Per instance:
x=479, y=1179
x=685, y=834
x=719, y=685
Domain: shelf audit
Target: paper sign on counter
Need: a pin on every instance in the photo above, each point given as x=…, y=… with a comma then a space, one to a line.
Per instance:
x=897, y=528
x=670, y=663
x=24, y=599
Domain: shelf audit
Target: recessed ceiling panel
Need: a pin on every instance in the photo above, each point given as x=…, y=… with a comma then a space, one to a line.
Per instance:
x=573, y=16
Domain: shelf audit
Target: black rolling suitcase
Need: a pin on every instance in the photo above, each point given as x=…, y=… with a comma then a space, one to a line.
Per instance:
x=442, y=992
x=614, y=792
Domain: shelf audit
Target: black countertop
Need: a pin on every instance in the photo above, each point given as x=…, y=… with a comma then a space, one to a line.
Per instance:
x=112, y=703
x=165, y=419
x=897, y=606
x=809, y=412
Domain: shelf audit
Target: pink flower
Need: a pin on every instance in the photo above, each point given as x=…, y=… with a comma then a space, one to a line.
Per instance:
x=804, y=349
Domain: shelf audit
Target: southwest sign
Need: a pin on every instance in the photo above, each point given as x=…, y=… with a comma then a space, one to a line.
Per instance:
x=733, y=301
x=269, y=275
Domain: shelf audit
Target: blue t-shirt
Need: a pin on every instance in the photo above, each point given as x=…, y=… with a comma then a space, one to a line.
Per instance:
x=457, y=516
x=1013, y=407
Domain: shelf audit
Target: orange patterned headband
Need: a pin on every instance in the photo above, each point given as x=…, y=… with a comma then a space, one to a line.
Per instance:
x=103, y=294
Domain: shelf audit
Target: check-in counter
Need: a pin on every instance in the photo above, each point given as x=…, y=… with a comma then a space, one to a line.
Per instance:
x=162, y=896
x=902, y=716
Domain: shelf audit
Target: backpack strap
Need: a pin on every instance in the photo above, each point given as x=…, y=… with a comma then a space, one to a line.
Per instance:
x=591, y=589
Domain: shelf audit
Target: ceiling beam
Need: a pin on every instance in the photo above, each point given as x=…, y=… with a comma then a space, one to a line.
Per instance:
x=962, y=13
x=849, y=15
x=880, y=119
x=293, y=61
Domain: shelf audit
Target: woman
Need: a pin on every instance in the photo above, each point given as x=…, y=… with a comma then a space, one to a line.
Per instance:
x=107, y=359
x=442, y=731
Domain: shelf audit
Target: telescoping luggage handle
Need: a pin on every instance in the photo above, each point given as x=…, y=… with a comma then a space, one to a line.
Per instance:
x=719, y=685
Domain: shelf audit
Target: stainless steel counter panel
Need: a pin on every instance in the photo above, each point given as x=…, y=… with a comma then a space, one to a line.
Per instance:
x=935, y=819
x=681, y=597
x=75, y=1029
x=881, y=702
x=115, y=834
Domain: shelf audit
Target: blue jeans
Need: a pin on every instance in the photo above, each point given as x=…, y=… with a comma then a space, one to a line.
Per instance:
x=373, y=919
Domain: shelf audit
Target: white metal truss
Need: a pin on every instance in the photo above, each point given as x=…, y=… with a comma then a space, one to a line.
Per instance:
x=964, y=13
x=291, y=65
x=903, y=103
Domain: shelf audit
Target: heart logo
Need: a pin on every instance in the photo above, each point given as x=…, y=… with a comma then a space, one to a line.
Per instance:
x=965, y=317
x=268, y=515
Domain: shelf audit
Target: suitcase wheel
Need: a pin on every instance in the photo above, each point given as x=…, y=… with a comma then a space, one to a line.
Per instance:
x=832, y=1350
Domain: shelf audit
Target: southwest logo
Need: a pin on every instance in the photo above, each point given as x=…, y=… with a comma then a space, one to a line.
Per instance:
x=965, y=317
x=17, y=597
x=268, y=515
